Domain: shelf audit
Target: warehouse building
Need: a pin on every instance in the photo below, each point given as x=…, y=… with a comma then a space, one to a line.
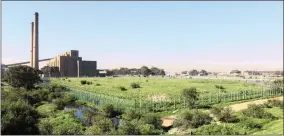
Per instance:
x=71, y=65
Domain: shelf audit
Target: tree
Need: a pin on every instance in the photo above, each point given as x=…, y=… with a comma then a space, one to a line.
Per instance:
x=22, y=76
x=203, y=72
x=193, y=72
x=184, y=72
x=155, y=71
x=277, y=73
x=50, y=71
x=145, y=71
x=191, y=96
x=162, y=72
x=235, y=72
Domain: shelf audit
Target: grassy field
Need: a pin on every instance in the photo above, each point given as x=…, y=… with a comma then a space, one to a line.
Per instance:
x=276, y=126
x=151, y=87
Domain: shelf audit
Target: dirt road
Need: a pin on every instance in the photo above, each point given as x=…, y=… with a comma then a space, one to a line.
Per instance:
x=168, y=121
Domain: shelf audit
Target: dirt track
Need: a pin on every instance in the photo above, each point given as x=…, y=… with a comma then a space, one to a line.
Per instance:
x=168, y=121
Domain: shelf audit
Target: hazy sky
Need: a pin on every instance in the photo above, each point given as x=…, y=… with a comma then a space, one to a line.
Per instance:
x=215, y=36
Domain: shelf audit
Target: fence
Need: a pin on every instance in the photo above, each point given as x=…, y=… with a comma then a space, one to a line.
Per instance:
x=174, y=103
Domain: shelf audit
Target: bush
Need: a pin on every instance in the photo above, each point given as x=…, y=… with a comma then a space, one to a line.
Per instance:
x=135, y=85
x=148, y=129
x=18, y=118
x=104, y=124
x=62, y=102
x=219, y=87
x=191, y=96
x=67, y=129
x=83, y=82
x=217, y=130
x=89, y=83
x=250, y=123
x=45, y=127
x=273, y=103
x=224, y=114
x=152, y=119
x=69, y=80
x=192, y=119
x=97, y=84
x=129, y=128
x=131, y=114
x=109, y=110
x=122, y=88
x=256, y=111
x=22, y=76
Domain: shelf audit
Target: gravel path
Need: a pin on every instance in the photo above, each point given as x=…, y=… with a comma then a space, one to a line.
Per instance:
x=168, y=121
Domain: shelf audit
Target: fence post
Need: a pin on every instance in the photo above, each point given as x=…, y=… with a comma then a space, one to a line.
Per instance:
x=210, y=99
x=174, y=103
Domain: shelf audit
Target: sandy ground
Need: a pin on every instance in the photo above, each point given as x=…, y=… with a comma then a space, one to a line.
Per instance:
x=168, y=121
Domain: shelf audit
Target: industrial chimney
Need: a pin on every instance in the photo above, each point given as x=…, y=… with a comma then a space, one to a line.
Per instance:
x=35, y=42
x=32, y=40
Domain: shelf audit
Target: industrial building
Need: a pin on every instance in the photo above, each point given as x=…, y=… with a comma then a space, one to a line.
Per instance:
x=71, y=65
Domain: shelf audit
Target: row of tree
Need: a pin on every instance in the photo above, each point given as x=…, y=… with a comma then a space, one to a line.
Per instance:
x=50, y=71
x=145, y=71
x=194, y=72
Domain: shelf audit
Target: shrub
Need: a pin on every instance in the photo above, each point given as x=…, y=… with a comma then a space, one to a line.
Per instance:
x=83, y=82
x=192, y=119
x=135, y=85
x=219, y=87
x=45, y=127
x=250, y=123
x=68, y=128
x=69, y=80
x=109, y=110
x=122, y=88
x=22, y=76
x=88, y=82
x=60, y=103
x=273, y=103
x=131, y=114
x=256, y=111
x=213, y=129
x=129, y=128
x=18, y=118
x=104, y=125
x=97, y=84
x=191, y=96
x=148, y=129
x=152, y=119
x=224, y=114
x=63, y=79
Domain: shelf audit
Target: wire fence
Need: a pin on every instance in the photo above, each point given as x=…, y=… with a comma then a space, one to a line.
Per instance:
x=174, y=102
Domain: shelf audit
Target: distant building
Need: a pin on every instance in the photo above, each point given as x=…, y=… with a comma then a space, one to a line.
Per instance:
x=102, y=73
x=70, y=65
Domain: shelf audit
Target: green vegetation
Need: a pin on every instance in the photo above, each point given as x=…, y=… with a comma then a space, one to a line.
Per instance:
x=155, y=86
x=192, y=119
x=52, y=109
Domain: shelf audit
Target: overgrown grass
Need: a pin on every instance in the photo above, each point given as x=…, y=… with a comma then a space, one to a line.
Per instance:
x=152, y=86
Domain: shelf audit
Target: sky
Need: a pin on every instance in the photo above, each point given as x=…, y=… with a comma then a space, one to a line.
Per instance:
x=175, y=36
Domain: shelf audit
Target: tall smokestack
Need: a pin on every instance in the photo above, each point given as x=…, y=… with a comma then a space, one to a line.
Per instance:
x=32, y=40
x=35, y=43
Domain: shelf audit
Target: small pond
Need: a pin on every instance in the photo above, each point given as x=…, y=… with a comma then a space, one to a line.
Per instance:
x=79, y=113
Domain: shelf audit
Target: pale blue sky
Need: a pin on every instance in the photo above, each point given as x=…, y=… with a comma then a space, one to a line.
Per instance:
x=216, y=36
